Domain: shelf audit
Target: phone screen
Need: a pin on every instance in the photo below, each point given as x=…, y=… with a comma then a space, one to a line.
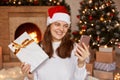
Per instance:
x=85, y=39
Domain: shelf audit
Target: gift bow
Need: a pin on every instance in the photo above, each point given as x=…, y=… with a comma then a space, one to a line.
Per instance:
x=22, y=45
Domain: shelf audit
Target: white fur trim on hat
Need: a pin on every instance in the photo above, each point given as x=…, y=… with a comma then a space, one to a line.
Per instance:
x=59, y=16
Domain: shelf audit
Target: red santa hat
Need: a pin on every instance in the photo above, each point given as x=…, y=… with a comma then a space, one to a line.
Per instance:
x=58, y=13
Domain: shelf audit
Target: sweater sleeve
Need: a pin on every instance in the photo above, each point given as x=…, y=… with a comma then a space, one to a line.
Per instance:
x=79, y=73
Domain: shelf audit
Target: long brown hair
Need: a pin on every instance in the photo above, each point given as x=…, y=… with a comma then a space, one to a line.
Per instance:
x=65, y=48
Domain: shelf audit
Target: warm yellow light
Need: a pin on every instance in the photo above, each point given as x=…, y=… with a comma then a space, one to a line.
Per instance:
x=80, y=21
x=50, y=0
x=54, y=1
x=85, y=22
x=113, y=10
x=101, y=19
x=117, y=76
x=83, y=12
x=58, y=3
x=96, y=8
x=105, y=46
x=34, y=36
x=90, y=1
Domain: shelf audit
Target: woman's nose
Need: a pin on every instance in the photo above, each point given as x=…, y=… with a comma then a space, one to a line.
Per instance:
x=61, y=28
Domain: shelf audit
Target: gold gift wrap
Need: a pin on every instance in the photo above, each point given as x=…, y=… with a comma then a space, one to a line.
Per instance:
x=22, y=45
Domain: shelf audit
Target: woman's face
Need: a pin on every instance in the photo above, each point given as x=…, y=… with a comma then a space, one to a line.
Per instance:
x=58, y=30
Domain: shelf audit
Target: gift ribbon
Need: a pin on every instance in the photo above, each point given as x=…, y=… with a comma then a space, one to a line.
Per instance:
x=22, y=45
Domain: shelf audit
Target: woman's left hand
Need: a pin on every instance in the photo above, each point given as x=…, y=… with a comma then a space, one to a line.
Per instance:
x=82, y=52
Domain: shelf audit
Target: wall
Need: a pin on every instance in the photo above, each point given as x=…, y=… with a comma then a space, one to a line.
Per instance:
x=117, y=3
x=75, y=6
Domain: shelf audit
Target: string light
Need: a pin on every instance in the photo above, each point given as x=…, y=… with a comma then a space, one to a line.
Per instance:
x=54, y=2
x=50, y=0
x=105, y=46
x=83, y=12
x=113, y=10
x=85, y=9
x=117, y=24
x=58, y=3
x=80, y=21
x=117, y=76
x=96, y=8
x=90, y=1
x=103, y=6
x=19, y=2
x=92, y=24
x=85, y=22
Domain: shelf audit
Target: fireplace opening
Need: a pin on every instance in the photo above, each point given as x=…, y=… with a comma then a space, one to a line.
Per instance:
x=31, y=29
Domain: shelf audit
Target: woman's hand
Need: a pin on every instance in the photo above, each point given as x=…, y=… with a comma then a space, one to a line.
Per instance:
x=25, y=68
x=82, y=52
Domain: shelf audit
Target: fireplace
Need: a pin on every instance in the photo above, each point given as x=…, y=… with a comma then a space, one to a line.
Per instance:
x=15, y=20
x=31, y=29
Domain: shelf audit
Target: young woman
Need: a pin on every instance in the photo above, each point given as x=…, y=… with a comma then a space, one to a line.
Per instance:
x=66, y=59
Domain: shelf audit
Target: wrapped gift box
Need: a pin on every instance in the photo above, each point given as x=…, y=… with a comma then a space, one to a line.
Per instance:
x=105, y=66
x=105, y=49
x=104, y=75
x=89, y=67
x=28, y=51
x=105, y=57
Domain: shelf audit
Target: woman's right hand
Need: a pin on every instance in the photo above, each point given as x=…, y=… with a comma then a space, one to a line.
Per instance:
x=25, y=68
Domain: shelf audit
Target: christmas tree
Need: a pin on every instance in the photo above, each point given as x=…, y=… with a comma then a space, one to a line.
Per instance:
x=99, y=19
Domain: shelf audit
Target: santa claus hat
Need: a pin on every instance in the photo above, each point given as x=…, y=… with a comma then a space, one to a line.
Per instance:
x=58, y=13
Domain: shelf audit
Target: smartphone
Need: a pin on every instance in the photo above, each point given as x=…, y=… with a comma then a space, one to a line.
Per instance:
x=84, y=39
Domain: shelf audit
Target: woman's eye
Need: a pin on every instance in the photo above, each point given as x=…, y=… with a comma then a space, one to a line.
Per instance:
x=57, y=24
x=66, y=26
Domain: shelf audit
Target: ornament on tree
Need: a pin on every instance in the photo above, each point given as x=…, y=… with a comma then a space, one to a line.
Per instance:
x=75, y=33
x=108, y=4
x=78, y=16
x=119, y=45
x=97, y=27
x=111, y=14
x=98, y=38
x=84, y=28
x=36, y=2
x=81, y=3
x=90, y=17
